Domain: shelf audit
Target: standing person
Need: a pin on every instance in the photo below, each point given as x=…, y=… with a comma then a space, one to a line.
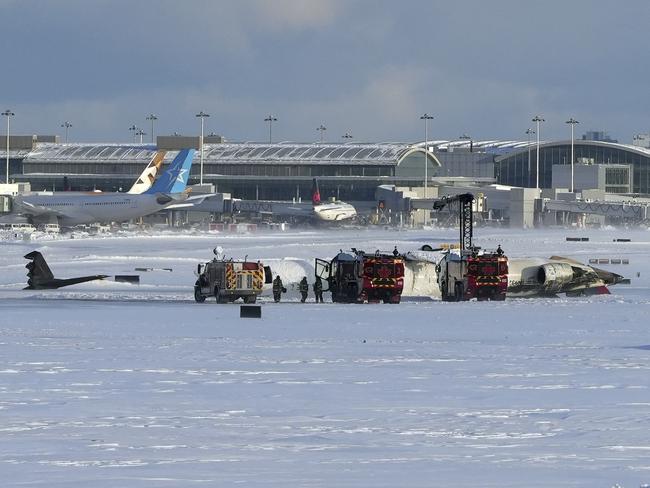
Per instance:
x=277, y=289
x=318, y=289
x=304, y=289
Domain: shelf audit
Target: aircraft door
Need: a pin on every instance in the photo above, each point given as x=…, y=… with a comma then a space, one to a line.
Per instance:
x=322, y=270
x=268, y=276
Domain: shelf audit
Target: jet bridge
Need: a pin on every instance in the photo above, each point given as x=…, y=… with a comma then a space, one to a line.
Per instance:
x=632, y=211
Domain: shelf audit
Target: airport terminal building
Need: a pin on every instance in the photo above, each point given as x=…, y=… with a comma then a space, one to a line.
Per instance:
x=281, y=171
x=347, y=171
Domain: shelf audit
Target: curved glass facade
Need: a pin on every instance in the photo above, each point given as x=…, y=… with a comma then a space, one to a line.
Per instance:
x=279, y=171
x=519, y=168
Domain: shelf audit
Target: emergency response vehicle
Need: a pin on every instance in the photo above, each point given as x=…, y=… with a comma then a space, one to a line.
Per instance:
x=358, y=277
x=227, y=280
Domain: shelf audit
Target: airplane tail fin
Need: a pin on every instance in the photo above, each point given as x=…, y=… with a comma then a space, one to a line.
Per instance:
x=315, y=193
x=174, y=179
x=38, y=271
x=146, y=179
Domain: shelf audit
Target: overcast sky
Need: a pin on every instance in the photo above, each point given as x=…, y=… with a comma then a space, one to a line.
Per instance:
x=367, y=67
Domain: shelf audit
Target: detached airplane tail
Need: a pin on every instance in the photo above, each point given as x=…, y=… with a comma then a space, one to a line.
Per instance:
x=148, y=176
x=38, y=272
x=174, y=179
x=40, y=277
x=315, y=193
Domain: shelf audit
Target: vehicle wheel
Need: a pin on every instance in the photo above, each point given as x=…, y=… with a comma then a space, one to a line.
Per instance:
x=198, y=296
x=250, y=299
x=458, y=291
x=443, y=292
x=217, y=297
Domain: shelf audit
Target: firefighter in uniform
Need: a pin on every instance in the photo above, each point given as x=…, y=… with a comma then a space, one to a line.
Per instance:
x=318, y=289
x=277, y=288
x=303, y=287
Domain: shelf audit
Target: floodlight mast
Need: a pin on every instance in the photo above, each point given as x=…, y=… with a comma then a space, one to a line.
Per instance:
x=426, y=117
x=8, y=113
x=152, y=118
x=270, y=119
x=573, y=122
x=202, y=115
x=66, y=125
x=537, y=119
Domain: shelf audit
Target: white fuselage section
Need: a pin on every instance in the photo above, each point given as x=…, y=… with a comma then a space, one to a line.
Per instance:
x=75, y=209
x=334, y=212
x=527, y=277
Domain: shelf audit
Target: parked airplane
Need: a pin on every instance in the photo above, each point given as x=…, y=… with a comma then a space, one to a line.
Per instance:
x=301, y=211
x=40, y=277
x=527, y=277
x=330, y=211
x=70, y=209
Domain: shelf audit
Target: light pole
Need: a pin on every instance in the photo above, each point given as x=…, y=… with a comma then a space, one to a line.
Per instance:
x=270, y=119
x=152, y=118
x=528, y=133
x=8, y=113
x=347, y=136
x=573, y=122
x=426, y=117
x=537, y=119
x=134, y=129
x=202, y=115
x=66, y=125
x=465, y=137
x=321, y=128
x=140, y=133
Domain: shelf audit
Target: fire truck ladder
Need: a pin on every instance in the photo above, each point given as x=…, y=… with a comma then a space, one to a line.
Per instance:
x=465, y=216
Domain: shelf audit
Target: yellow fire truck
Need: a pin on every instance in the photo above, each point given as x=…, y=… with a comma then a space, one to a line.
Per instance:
x=228, y=280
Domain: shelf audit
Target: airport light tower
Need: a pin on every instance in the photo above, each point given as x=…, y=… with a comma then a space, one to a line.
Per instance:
x=270, y=119
x=426, y=117
x=152, y=118
x=8, y=113
x=66, y=125
x=134, y=129
x=573, y=122
x=321, y=128
x=140, y=133
x=202, y=115
x=347, y=136
x=537, y=119
x=528, y=133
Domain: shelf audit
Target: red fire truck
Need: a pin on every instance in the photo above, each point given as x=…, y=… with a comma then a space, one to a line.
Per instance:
x=358, y=277
x=470, y=273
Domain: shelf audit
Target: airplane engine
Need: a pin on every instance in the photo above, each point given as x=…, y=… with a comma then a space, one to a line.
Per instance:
x=555, y=276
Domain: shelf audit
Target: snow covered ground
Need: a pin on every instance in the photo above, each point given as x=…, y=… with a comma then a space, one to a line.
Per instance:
x=107, y=384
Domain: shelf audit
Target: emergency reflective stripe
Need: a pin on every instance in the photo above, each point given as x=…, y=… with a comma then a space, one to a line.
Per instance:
x=383, y=282
x=233, y=270
x=231, y=277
